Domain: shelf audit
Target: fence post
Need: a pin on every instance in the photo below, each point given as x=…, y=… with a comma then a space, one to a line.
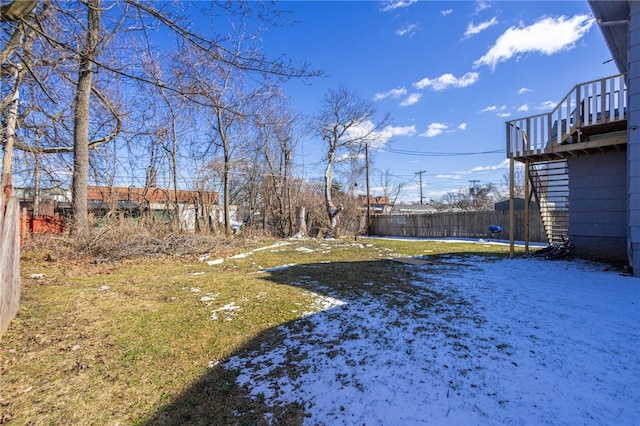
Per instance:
x=527, y=201
x=9, y=260
x=511, y=208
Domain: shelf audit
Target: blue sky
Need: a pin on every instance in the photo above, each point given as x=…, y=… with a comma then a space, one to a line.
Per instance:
x=449, y=72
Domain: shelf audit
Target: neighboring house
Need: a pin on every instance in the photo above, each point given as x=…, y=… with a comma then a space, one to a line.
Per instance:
x=378, y=205
x=413, y=209
x=38, y=214
x=518, y=205
x=193, y=206
x=44, y=204
x=583, y=158
x=153, y=198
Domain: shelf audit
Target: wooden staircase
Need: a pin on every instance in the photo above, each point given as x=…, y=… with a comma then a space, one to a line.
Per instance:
x=550, y=188
x=590, y=120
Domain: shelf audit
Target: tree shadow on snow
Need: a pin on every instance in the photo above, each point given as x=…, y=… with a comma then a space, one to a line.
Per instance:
x=217, y=399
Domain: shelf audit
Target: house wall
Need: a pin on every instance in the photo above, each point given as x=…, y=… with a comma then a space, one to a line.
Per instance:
x=598, y=206
x=633, y=132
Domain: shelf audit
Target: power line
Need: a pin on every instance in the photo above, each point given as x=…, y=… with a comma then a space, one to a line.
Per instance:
x=439, y=154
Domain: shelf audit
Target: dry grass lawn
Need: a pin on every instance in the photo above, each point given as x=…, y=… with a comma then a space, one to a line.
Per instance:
x=139, y=341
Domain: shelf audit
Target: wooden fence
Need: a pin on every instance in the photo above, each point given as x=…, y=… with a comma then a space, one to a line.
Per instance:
x=472, y=224
x=9, y=260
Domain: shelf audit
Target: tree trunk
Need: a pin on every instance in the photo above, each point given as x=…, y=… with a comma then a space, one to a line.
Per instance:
x=17, y=10
x=81, y=124
x=227, y=207
x=174, y=172
x=301, y=223
x=332, y=210
x=36, y=184
x=11, y=120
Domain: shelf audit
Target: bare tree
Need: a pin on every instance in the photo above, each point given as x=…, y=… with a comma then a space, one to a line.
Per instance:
x=65, y=120
x=345, y=122
x=276, y=129
x=51, y=75
x=457, y=199
x=390, y=188
x=480, y=197
x=217, y=87
x=88, y=53
x=518, y=183
x=483, y=196
x=16, y=14
x=251, y=171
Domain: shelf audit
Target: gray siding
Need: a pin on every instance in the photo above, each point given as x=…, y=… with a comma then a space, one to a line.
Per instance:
x=598, y=206
x=633, y=146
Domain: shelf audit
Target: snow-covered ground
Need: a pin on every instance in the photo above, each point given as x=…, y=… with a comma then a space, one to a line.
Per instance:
x=522, y=341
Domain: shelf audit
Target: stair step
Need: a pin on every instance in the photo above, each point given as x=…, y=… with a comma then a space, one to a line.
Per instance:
x=550, y=186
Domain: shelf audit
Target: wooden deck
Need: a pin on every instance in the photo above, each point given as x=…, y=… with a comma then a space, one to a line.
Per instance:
x=591, y=119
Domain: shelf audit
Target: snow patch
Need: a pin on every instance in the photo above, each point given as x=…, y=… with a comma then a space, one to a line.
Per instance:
x=278, y=268
x=518, y=341
x=227, y=309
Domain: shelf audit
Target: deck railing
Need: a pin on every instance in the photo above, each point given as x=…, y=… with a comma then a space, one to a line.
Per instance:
x=587, y=104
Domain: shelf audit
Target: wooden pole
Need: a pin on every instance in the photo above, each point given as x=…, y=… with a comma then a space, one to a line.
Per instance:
x=10, y=129
x=7, y=185
x=526, y=207
x=9, y=253
x=511, y=208
x=366, y=152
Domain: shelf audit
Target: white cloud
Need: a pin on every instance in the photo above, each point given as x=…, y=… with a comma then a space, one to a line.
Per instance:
x=448, y=80
x=446, y=12
x=348, y=156
x=462, y=126
x=393, y=93
x=482, y=5
x=464, y=174
x=547, y=105
x=453, y=176
x=546, y=36
x=523, y=108
x=475, y=29
x=493, y=108
x=503, y=165
x=435, y=129
x=489, y=109
x=411, y=99
x=524, y=90
x=380, y=138
x=391, y=131
x=409, y=30
x=504, y=114
x=396, y=4
x=460, y=173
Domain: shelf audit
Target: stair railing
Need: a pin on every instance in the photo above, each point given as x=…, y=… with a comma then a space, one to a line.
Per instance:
x=587, y=104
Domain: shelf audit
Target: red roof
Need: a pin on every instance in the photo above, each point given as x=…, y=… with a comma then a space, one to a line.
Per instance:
x=382, y=200
x=111, y=194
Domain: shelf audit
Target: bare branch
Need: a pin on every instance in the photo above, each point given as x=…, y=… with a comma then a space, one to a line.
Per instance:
x=17, y=10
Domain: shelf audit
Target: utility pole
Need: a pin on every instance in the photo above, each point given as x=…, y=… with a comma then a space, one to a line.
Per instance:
x=366, y=154
x=474, y=182
x=420, y=173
